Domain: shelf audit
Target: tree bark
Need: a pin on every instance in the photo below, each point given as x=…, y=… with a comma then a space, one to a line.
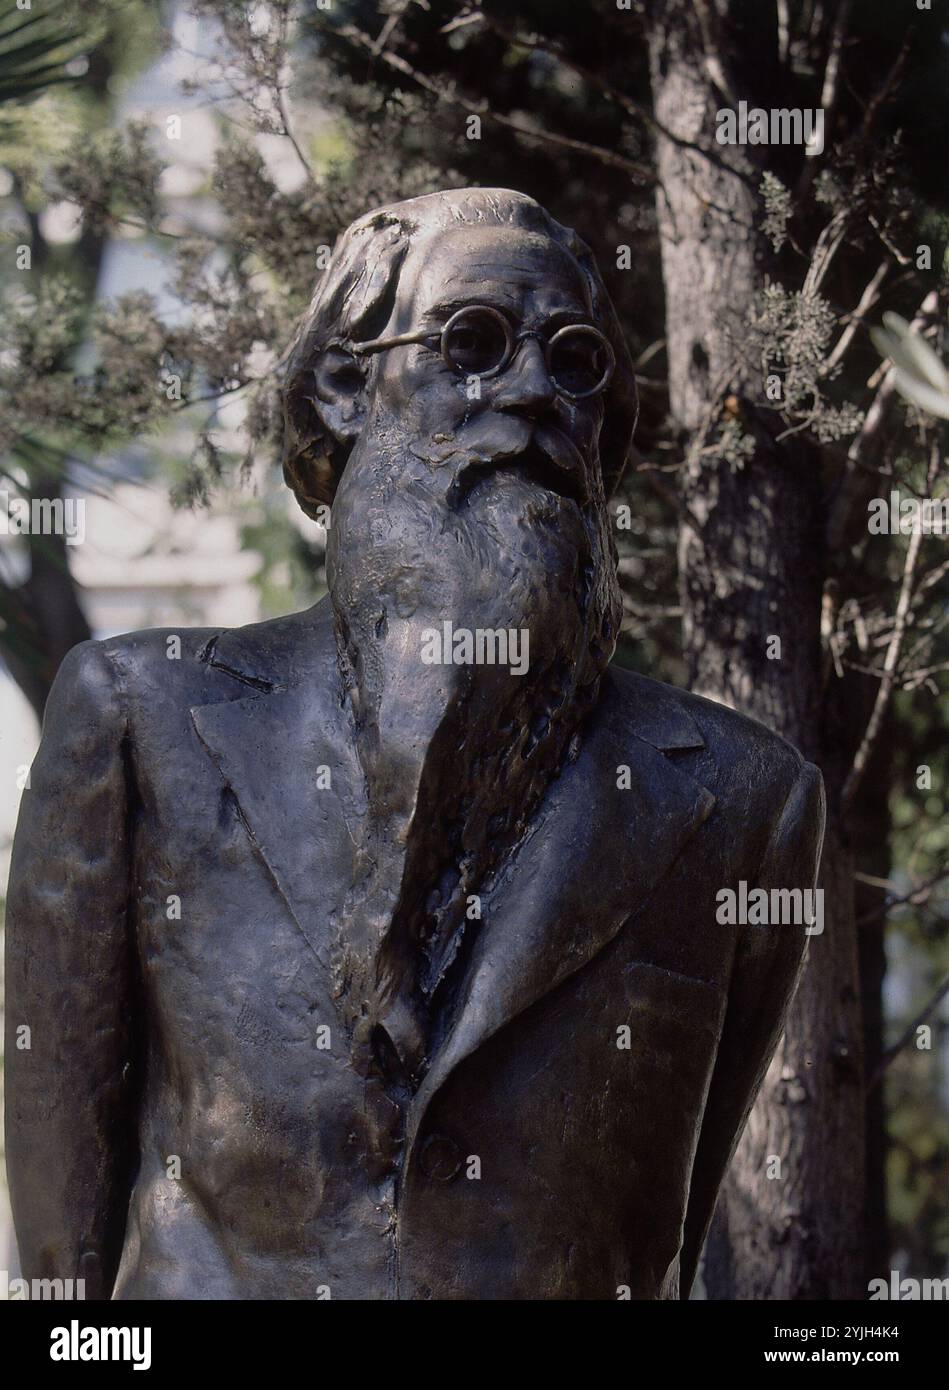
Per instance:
x=871, y=835
x=751, y=570
x=41, y=620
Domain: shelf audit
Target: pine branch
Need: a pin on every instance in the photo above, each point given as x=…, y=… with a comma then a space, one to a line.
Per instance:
x=476, y=107
x=907, y=1037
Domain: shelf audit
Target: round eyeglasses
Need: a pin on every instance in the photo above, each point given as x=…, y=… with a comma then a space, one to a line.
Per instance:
x=479, y=341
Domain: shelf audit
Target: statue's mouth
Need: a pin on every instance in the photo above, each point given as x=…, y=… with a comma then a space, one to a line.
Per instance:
x=557, y=469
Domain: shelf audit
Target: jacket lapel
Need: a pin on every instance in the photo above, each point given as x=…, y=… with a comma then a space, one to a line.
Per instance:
x=273, y=749
x=587, y=866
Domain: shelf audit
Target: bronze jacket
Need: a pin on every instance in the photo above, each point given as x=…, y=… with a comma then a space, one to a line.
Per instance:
x=186, y=1121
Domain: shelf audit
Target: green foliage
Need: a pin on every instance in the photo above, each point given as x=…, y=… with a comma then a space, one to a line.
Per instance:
x=791, y=333
x=112, y=176
x=124, y=393
x=51, y=58
x=36, y=48
x=778, y=207
x=875, y=190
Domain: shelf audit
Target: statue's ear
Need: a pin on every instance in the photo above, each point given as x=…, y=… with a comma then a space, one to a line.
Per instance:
x=324, y=405
x=339, y=391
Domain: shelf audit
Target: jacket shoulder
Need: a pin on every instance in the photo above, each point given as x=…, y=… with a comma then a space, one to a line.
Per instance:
x=733, y=754
x=156, y=661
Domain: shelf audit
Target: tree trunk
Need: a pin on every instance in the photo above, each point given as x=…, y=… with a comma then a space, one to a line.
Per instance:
x=41, y=620
x=871, y=834
x=751, y=570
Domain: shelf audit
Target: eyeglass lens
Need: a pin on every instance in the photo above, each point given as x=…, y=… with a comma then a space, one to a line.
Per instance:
x=579, y=361
x=478, y=342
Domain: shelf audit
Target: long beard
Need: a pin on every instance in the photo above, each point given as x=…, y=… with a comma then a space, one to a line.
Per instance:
x=456, y=758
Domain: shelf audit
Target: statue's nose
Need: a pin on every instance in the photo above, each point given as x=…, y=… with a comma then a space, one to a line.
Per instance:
x=526, y=385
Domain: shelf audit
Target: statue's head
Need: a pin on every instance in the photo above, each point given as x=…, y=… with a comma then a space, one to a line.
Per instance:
x=416, y=325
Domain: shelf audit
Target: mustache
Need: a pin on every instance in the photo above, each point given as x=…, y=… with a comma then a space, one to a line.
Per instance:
x=493, y=442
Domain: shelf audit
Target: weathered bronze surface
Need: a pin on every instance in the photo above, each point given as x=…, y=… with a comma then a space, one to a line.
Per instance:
x=326, y=950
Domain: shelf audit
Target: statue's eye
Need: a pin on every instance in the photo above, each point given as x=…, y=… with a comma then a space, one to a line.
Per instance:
x=476, y=341
x=581, y=360
x=578, y=362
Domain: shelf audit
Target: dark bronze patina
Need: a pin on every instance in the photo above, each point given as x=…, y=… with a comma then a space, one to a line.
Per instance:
x=325, y=952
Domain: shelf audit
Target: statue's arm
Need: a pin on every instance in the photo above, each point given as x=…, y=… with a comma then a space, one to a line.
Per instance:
x=767, y=966
x=70, y=1072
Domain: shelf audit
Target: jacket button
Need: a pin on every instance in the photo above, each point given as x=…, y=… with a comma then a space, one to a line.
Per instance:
x=440, y=1158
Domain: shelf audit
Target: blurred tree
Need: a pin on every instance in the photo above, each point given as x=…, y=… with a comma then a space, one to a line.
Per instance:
x=56, y=68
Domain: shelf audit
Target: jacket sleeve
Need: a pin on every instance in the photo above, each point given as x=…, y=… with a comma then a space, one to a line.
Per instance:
x=766, y=970
x=69, y=1065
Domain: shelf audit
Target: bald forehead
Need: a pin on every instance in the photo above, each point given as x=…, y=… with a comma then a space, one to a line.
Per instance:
x=526, y=272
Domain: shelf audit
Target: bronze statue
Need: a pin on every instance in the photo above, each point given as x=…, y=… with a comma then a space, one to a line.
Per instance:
x=376, y=952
